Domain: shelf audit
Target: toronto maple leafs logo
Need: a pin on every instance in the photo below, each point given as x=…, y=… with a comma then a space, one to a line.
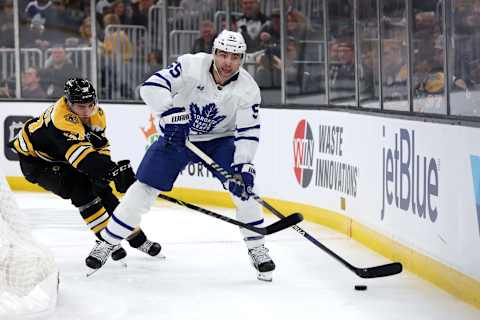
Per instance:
x=206, y=119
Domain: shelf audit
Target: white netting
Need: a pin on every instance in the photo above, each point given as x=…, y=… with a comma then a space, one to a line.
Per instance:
x=28, y=274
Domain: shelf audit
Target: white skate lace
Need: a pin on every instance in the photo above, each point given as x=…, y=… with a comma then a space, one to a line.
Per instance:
x=145, y=246
x=259, y=254
x=102, y=250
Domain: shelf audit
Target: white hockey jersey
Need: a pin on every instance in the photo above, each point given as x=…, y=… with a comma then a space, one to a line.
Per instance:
x=216, y=111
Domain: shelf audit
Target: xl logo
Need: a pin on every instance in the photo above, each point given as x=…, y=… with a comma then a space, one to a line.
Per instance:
x=475, y=162
x=11, y=127
x=303, y=145
x=410, y=180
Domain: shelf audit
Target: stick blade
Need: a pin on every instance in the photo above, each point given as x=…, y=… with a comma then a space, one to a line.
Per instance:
x=284, y=223
x=380, y=271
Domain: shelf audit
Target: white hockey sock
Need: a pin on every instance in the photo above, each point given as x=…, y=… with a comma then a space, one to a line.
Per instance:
x=250, y=212
x=137, y=200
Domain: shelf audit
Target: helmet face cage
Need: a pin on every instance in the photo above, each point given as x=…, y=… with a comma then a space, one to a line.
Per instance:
x=79, y=90
x=230, y=41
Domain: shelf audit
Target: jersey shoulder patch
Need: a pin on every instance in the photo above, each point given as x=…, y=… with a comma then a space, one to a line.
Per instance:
x=65, y=120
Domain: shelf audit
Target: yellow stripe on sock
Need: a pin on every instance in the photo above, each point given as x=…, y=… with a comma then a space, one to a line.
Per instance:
x=101, y=226
x=97, y=214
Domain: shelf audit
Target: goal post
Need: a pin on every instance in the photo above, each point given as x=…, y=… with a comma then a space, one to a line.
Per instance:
x=28, y=273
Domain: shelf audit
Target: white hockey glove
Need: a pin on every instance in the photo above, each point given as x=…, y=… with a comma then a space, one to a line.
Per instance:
x=176, y=121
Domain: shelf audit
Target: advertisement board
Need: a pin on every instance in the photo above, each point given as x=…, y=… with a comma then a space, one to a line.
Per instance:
x=417, y=183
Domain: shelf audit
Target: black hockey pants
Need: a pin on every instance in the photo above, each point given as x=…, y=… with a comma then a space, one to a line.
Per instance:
x=67, y=182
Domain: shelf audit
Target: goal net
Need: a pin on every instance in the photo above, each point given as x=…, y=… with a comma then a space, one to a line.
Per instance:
x=28, y=274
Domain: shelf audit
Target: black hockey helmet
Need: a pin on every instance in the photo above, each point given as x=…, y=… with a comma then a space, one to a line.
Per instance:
x=78, y=90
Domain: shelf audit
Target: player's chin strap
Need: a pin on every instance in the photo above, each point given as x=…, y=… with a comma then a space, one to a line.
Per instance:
x=372, y=272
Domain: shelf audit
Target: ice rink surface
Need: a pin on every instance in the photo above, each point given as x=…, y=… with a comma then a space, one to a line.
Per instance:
x=207, y=273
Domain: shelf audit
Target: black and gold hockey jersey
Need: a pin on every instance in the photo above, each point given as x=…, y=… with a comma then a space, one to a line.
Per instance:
x=59, y=135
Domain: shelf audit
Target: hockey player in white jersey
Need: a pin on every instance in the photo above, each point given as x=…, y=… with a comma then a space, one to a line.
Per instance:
x=212, y=101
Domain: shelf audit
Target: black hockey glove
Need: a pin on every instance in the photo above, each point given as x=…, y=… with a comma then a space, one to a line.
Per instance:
x=244, y=177
x=122, y=175
x=176, y=126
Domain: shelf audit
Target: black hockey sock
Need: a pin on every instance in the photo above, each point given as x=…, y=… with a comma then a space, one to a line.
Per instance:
x=95, y=216
x=137, y=239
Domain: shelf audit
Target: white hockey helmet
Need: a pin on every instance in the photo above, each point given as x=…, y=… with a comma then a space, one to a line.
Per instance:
x=230, y=41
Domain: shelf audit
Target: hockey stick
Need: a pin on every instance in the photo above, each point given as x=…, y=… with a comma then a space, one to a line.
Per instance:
x=274, y=227
x=372, y=272
x=228, y=176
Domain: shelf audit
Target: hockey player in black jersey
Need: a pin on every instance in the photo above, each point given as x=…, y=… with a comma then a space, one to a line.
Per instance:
x=65, y=151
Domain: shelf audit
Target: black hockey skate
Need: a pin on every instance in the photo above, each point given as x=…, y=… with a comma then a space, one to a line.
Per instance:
x=262, y=262
x=118, y=253
x=99, y=254
x=151, y=248
x=140, y=242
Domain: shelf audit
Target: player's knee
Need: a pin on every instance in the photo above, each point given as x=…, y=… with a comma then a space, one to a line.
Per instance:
x=140, y=196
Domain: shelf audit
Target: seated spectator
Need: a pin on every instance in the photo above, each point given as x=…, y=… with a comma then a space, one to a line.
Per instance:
x=207, y=35
x=270, y=33
x=297, y=25
x=85, y=32
x=35, y=36
x=59, y=23
x=6, y=25
x=429, y=74
x=116, y=43
x=140, y=12
x=76, y=11
x=467, y=17
x=7, y=88
x=342, y=72
x=116, y=52
x=123, y=12
x=31, y=85
x=269, y=64
x=425, y=24
x=154, y=62
x=57, y=70
x=251, y=23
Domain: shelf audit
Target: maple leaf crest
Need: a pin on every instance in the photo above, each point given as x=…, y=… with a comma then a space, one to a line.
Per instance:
x=205, y=119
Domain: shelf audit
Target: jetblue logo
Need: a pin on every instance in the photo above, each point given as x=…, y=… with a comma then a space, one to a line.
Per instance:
x=204, y=119
x=410, y=180
x=475, y=162
x=303, y=145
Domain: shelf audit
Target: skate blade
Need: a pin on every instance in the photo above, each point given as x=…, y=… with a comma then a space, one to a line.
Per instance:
x=91, y=272
x=265, y=276
x=160, y=256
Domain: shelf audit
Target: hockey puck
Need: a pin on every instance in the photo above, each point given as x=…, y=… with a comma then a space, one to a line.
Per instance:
x=360, y=287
